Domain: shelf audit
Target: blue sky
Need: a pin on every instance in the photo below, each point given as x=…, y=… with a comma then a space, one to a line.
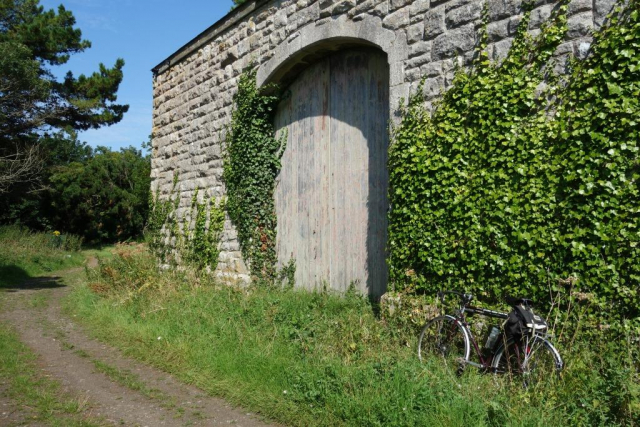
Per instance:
x=143, y=33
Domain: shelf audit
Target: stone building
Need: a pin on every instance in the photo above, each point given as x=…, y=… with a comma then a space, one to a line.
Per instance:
x=347, y=64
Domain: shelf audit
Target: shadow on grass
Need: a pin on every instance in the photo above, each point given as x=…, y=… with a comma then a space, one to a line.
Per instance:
x=14, y=279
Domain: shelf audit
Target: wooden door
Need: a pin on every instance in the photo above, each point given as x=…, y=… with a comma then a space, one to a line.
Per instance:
x=331, y=195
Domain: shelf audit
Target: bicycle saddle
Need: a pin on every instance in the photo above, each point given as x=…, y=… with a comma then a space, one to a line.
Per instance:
x=513, y=301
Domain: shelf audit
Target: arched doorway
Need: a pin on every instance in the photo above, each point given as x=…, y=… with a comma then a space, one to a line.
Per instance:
x=331, y=194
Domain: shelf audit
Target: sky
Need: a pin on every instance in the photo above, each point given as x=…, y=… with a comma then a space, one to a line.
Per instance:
x=143, y=33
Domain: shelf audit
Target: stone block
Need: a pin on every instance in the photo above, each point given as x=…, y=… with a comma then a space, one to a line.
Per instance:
x=280, y=19
x=380, y=10
x=497, y=31
x=583, y=49
x=577, y=6
x=601, y=9
x=361, y=7
x=397, y=19
x=580, y=25
x=463, y=14
x=454, y=42
x=415, y=32
x=434, y=23
x=307, y=15
x=343, y=7
x=398, y=96
x=418, y=7
x=501, y=49
x=412, y=75
x=514, y=23
x=540, y=15
x=432, y=69
x=418, y=61
x=564, y=48
x=433, y=87
x=397, y=4
x=501, y=9
x=420, y=48
x=396, y=73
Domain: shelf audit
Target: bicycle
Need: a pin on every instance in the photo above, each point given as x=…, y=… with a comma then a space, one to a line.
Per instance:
x=449, y=336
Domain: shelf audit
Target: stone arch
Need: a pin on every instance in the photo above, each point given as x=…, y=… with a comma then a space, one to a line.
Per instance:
x=315, y=39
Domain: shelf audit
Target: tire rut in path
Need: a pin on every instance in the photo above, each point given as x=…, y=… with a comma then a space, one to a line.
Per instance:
x=69, y=356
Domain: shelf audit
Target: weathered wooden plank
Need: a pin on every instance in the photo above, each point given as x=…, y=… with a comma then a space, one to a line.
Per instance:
x=331, y=194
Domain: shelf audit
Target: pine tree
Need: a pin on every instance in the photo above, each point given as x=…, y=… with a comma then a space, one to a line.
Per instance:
x=32, y=101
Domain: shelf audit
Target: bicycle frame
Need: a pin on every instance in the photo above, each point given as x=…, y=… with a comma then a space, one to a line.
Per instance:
x=485, y=363
x=523, y=349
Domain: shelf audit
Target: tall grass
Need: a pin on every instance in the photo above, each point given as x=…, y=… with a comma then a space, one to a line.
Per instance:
x=25, y=254
x=311, y=358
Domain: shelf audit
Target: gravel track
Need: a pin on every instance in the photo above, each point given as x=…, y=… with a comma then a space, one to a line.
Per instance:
x=67, y=354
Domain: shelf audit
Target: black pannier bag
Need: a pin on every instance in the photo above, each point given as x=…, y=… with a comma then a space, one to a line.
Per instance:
x=522, y=322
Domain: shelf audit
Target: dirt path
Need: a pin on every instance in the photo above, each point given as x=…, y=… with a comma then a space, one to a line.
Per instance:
x=118, y=389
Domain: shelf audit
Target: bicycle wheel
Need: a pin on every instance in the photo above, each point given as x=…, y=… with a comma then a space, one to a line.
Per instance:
x=533, y=358
x=444, y=336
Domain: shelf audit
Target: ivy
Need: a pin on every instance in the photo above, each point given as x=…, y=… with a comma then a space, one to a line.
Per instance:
x=197, y=243
x=521, y=177
x=251, y=165
x=162, y=219
x=201, y=247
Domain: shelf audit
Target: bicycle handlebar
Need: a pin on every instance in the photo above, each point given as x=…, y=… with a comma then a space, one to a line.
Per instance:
x=465, y=298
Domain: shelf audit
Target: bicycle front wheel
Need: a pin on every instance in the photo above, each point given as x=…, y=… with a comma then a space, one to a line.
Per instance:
x=535, y=359
x=446, y=337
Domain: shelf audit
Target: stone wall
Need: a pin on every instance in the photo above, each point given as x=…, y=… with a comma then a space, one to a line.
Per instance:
x=193, y=88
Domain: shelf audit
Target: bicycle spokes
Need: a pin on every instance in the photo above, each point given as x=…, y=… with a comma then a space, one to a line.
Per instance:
x=444, y=337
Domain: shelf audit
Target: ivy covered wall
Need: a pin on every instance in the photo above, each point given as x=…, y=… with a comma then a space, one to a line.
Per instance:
x=524, y=181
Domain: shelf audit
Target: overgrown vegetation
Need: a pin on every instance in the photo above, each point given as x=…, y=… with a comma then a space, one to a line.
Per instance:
x=195, y=239
x=520, y=178
x=25, y=254
x=251, y=165
x=313, y=358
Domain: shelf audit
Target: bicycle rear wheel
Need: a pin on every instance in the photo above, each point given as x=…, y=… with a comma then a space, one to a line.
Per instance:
x=533, y=358
x=447, y=338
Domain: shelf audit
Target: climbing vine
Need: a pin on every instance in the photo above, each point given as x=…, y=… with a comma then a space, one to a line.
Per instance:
x=201, y=246
x=196, y=242
x=252, y=162
x=520, y=177
x=162, y=222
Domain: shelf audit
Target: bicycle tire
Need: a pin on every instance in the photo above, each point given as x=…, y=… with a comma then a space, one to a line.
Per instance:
x=446, y=337
x=533, y=358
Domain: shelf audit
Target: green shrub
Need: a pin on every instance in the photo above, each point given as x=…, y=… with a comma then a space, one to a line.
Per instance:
x=105, y=198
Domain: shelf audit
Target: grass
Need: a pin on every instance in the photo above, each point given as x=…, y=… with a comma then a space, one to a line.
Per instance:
x=321, y=359
x=26, y=254
x=29, y=389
